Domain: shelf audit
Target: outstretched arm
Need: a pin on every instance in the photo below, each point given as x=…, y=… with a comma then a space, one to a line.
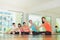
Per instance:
x=41, y=25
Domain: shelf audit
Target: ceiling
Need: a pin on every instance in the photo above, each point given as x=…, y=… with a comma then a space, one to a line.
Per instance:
x=53, y=10
x=31, y=5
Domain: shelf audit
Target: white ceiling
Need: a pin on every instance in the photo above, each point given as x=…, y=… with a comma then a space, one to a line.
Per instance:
x=30, y=5
x=53, y=10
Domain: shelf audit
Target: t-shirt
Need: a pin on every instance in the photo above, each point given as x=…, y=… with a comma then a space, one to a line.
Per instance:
x=14, y=28
x=21, y=29
x=33, y=28
x=26, y=28
x=47, y=27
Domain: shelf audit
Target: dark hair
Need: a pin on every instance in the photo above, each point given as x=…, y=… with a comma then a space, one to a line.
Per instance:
x=43, y=17
x=24, y=23
x=13, y=23
x=19, y=24
x=42, y=20
x=56, y=26
x=30, y=20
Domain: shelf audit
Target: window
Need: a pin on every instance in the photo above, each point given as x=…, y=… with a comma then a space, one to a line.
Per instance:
x=58, y=24
x=7, y=18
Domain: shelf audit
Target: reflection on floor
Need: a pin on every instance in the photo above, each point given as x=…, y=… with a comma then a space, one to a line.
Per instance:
x=28, y=37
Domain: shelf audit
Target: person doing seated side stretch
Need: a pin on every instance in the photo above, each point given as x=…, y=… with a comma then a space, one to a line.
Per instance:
x=26, y=29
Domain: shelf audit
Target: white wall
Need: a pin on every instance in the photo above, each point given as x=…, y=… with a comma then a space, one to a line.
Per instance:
x=28, y=5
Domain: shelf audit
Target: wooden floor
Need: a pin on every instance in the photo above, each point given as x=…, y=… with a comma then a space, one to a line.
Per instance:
x=28, y=37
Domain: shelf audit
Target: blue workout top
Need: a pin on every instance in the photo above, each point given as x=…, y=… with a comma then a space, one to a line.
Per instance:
x=33, y=28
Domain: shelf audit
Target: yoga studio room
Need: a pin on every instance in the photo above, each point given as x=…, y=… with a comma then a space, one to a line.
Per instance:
x=29, y=19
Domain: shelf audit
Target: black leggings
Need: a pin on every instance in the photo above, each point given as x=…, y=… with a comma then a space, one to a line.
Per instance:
x=38, y=33
x=25, y=33
x=48, y=33
x=15, y=33
x=35, y=33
